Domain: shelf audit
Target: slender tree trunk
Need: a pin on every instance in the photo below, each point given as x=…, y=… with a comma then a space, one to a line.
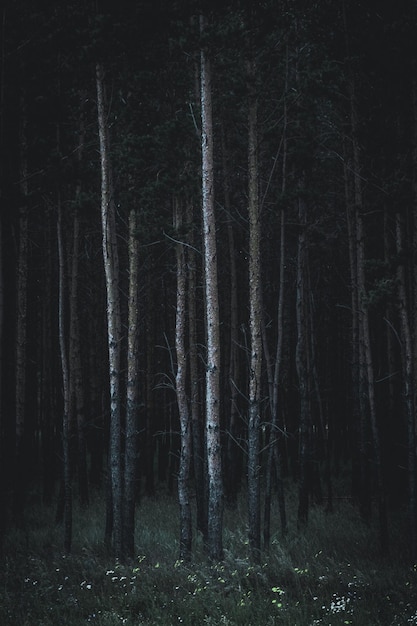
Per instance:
x=180, y=385
x=76, y=383
x=132, y=377
x=412, y=426
x=111, y=267
x=213, y=445
x=48, y=398
x=302, y=365
x=231, y=470
x=254, y=491
x=76, y=370
x=360, y=461
x=66, y=434
x=196, y=417
x=3, y=505
x=273, y=373
x=21, y=326
x=408, y=387
x=149, y=451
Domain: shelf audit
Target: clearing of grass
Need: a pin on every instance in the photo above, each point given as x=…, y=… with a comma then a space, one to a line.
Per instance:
x=328, y=573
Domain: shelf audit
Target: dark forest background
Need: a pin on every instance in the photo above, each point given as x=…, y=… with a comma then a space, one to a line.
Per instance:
x=314, y=112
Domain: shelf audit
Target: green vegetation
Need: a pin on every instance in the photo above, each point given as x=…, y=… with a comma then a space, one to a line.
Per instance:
x=327, y=573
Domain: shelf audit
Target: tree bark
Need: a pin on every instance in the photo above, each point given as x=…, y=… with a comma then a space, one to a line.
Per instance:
x=66, y=431
x=273, y=372
x=111, y=268
x=182, y=400
x=77, y=404
x=255, y=318
x=21, y=326
x=196, y=417
x=132, y=392
x=213, y=445
x=231, y=460
x=75, y=362
x=408, y=386
x=302, y=366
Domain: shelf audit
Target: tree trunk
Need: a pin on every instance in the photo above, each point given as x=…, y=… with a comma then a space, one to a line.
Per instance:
x=302, y=365
x=76, y=370
x=132, y=377
x=66, y=433
x=213, y=445
x=273, y=373
x=21, y=327
x=148, y=460
x=412, y=427
x=254, y=494
x=196, y=417
x=231, y=470
x=180, y=386
x=76, y=382
x=408, y=386
x=111, y=268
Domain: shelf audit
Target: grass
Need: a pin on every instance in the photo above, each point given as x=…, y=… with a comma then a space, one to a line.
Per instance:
x=328, y=573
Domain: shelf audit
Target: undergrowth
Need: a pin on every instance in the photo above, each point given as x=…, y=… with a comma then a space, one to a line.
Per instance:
x=328, y=573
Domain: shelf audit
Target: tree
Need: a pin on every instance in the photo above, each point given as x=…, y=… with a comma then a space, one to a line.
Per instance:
x=255, y=321
x=132, y=392
x=302, y=365
x=182, y=400
x=111, y=267
x=213, y=445
x=21, y=320
x=77, y=401
x=66, y=428
x=408, y=382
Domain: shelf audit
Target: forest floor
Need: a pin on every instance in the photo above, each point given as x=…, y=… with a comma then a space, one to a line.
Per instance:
x=328, y=573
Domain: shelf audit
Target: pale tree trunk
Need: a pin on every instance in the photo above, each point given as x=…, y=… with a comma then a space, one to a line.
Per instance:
x=196, y=417
x=255, y=318
x=66, y=434
x=353, y=193
x=182, y=400
x=213, y=445
x=302, y=366
x=48, y=399
x=412, y=426
x=76, y=370
x=231, y=470
x=3, y=481
x=3, y=502
x=76, y=382
x=148, y=455
x=132, y=378
x=408, y=385
x=273, y=370
x=111, y=268
x=21, y=325
x=2, y=153
x=353, y=196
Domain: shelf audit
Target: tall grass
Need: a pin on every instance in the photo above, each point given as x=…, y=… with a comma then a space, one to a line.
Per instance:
x=329, y=572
